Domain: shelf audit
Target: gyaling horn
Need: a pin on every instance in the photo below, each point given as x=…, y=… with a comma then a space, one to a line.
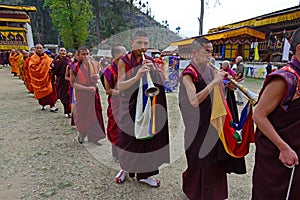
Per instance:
x=152, y=90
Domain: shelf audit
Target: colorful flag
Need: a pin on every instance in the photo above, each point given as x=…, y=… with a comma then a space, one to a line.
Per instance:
x=244, y=130
x=235, y=139
x=223, y=51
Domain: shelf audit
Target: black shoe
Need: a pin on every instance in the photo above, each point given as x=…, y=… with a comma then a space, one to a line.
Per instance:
x=80, y=142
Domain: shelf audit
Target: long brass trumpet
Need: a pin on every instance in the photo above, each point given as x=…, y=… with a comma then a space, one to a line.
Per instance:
x=152, y=90
x=252, y=97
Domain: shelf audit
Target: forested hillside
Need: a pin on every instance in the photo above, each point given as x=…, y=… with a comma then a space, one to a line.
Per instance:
x=111, y=17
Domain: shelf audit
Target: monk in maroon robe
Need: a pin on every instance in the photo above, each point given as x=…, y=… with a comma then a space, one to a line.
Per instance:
x=137, y=156
x=71, y=89
x=205, y=177
x=110, y=76
x=59, y=65
x=277, y=136
x=88, y=115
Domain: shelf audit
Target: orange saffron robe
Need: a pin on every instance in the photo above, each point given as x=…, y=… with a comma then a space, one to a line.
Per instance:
x=39, y=67
x=27, y=80
x=14, y=63
x=21, y=67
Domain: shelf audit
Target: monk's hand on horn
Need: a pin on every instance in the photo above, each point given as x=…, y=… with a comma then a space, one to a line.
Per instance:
x=142, y=71
x=219, y=76
x=149, y=63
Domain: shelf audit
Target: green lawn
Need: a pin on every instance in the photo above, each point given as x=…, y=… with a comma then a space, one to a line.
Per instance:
x=254, y=81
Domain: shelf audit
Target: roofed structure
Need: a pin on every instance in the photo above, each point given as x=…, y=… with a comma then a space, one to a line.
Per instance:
x=15, y=29
x=268, y=31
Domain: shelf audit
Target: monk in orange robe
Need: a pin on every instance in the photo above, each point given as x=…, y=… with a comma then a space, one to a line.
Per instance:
x=14, y=62
x=21, y=61
x=39, y=71
x=27, y=80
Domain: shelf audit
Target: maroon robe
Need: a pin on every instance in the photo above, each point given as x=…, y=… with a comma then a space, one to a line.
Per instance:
x=141, y=156
x=205, y=178
x=111, y=75
x=62, y=85
x=88, y=116
x=270, y=176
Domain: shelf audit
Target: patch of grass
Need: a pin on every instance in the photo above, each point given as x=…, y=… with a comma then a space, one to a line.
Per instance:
x=51, y=192
x=258, y=81
x=64, y=184
x=55, y=128
x=25, y=196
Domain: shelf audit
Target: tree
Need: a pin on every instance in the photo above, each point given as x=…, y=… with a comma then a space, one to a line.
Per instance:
x=72, y=18
x=96, y=9
x=111, y=17
x=131, y=14
x=200, y=19
x=178, y=29
x=11, y=2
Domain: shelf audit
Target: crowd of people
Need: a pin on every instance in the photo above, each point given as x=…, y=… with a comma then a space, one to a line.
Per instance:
x=138, y=118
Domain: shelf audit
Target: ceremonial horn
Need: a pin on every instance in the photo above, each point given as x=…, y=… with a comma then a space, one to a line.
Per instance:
x=152, y=90
x=252, y=97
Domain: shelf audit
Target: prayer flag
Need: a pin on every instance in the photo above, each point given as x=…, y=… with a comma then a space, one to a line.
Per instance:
x=223, y=51
x=256, y=54
x=286, y=50
x=219, y=118
x=235, y=139
x=244, y=130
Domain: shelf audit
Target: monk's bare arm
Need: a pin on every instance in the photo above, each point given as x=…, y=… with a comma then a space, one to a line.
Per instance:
x=72, y=78
x=125, y=84
x=270, y=99
x=197, y=98
x=110, y=90
x=67, y=73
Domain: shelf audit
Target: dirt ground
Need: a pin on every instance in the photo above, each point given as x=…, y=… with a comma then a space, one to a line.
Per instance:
x=41, y=159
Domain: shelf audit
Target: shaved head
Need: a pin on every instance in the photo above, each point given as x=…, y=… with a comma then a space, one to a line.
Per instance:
x=295, y=40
